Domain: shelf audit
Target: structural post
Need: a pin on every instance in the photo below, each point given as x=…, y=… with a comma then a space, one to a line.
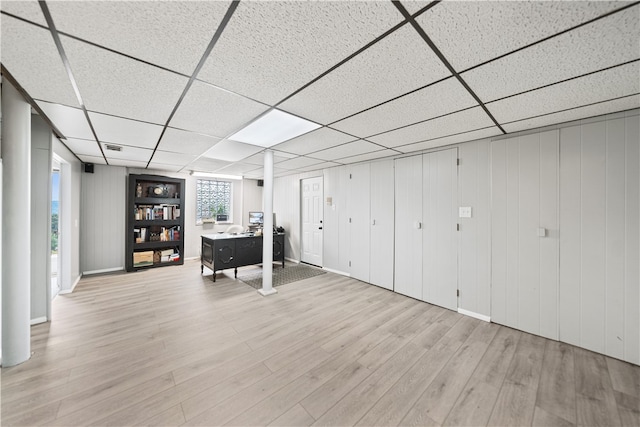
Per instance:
x=16, y=226
x=267, y=231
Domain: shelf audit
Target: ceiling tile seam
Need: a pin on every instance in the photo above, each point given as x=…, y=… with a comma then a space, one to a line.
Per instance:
x=364, y=154
x=445, y=61
x=344, y=61
x=336, y=146
x=575, y=27
x=445, y=136
x=61, y=137
x=67, y=66
x=216, y=36
x=424, y=9
x=44, y=27
x=573, y=108
x=392, y=99
x=232, y=92
x=563, y=81
x=422, y=121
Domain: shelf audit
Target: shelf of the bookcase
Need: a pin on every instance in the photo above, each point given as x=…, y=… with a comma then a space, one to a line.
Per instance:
x=161, y=222
x=157, y=245
x=156, y=201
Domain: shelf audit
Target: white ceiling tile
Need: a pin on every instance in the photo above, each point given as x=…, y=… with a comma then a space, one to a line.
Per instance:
x=215, y=112
x=609, y=84
x=167, y=158
x=278, y=156
x=318, y=166
x=298, y=162
x=346, y=150
x=315, y=141
x=126, y=163
x=439, y=99
x=575, y=114
x=449, y=140
x=259, y=173
x=124, y=131
x=204, y=164
x=231, y=151
x=71, y=121
x=398, y=64
x=29, y=9
x=463, y=121
x=270, y=49
x=128, y=153
x=413, y=6
x=238, y=169
x=180, y=141
x=171, y=34
x=604, y=43
x=28, y=52
x=471, y=32
x=83, y=147
x=165, y=168
x=93, y=159
x=369, y=156
x=113, y=84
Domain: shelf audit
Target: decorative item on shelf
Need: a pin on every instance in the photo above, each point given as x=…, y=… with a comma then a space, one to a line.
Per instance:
x=139, y=190
x=157, y=190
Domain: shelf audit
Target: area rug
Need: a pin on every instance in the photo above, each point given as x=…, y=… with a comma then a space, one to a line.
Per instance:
x=281, y=276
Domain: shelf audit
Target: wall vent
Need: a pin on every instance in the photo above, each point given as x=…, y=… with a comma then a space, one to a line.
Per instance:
x=113, y=147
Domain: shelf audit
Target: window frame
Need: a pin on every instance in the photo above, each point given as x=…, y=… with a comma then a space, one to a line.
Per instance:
x=201, y=221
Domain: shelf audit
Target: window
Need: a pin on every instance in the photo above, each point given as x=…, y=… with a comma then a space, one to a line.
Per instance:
x=213, y=198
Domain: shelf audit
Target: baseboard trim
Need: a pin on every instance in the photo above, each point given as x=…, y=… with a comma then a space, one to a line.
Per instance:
x=331, y=270
x=104, y=270
x=192, y=258
x=38, y=320
x=295, y=261
x=474, y=315
x=73, y=287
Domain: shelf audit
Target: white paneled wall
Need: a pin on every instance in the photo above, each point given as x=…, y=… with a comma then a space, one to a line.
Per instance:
x=359, y=220
x=599, y=241
x=103, y=217
x=382, y=223
x=336, y=239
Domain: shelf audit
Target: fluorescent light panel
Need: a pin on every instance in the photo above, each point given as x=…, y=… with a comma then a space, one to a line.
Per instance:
x=273, y=128
x=215, y=175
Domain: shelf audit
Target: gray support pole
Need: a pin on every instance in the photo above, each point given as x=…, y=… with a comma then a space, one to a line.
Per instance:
x=16, y=226
x=267, y=231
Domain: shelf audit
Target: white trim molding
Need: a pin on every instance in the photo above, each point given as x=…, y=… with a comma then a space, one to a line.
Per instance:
x=474, y=315
x=38, y=320
x=331, y=270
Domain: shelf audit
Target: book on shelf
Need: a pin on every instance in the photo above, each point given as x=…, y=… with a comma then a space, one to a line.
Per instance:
x=154, y=212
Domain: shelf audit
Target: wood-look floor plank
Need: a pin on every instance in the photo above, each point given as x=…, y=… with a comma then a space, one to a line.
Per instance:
x=295, y=416
x=625, y=377
x=557, y=389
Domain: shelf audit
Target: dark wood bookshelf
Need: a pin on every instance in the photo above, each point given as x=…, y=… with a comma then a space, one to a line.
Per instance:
x=155, y=221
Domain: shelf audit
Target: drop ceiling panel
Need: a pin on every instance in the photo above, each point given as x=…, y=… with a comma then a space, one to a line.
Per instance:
x=439, y=99
x=270, y=49
x=606, y=85
x=398, y=64
x=575, y=114
x=471, y=119
x=28, y=52
x=93, y=159
x=83, y=147
x=25, y=9
x=259, y=173
x=215, y=112
x=449, y=140
x=127, y=163
x=173, y=35
x=204, y=164
x=369, y=156
x=298, y=162
x=113, y=84
x=238, y=169
x=319, y=166
x=71, y=121
x=604, y=43
x=128, y=153
x=469, y=33
x=351, y=149
x=167, y=158
x=315, y=141
x=162, y=167
x=180, y=141
x=124, y=131
x=278, y=156
x=231, y=151
x=413, y=6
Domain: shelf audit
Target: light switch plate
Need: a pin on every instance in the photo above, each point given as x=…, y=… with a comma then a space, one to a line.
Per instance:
x=464, y=211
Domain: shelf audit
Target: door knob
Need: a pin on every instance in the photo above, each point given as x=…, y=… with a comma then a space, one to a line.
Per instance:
x=319, y=228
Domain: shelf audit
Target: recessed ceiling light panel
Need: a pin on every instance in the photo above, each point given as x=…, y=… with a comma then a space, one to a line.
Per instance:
x=273, y=128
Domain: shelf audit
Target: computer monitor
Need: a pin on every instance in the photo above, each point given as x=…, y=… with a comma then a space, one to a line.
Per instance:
x=256, y=218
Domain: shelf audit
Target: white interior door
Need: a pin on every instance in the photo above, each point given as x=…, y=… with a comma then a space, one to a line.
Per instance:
x=381, y=247
x=408, y=227
x=524, y=233
x=312, y=210
x=359, y=214
x=440, y=238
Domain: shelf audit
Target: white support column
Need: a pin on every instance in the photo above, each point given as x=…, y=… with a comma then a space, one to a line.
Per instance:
x=16, y=226
x=267, y=231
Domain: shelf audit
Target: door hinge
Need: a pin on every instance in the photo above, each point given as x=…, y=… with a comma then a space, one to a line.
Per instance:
x=458, y=162
x=458, y=292
x=349, y=263
x=349, y=220
x=350, y=176
x=457, y=227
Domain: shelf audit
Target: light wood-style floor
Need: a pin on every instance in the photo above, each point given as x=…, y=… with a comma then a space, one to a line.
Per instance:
x=170, y=347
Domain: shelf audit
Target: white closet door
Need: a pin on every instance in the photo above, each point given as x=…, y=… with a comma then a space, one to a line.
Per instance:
x=359, y=209
x=312, y=215
x=440, y=238
x=381, y=247
x=525, y=235
x=408, y=226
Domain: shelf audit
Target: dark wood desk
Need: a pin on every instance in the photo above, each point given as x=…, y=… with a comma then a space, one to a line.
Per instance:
x=222, y=251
